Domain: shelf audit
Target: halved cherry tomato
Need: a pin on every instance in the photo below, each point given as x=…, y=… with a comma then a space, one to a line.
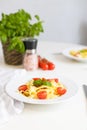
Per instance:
x=42, y=94
x=55, y=79
x=61, y=90
x=22, y=87
x=44, y=79
x=51, y=66
x=36, y=78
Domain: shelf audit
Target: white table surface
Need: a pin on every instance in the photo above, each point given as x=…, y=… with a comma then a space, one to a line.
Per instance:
x=68, y=115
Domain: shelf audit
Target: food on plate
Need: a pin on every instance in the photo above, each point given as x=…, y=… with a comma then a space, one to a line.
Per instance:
x=82, y=53
x=45, y=64
x=42, y=88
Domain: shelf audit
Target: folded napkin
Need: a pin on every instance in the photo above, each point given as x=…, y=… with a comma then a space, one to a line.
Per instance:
x=8, y=106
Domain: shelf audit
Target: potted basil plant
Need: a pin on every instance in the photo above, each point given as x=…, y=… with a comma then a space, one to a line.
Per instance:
x=14, y=27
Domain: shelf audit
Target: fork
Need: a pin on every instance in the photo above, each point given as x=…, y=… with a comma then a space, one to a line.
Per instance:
x=85, y=90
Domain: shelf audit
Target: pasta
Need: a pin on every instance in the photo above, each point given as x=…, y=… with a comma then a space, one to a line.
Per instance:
x=80, y=53
x=42, y=88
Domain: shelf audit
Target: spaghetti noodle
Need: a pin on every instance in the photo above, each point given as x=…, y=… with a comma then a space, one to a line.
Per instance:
x=42, y=88
x=80, y=53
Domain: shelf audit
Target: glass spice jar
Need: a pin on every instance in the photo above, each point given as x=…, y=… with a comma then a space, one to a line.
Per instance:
x=30, y=61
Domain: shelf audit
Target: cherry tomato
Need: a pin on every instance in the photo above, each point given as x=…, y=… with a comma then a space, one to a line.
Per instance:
x=56, y=80
x=42, y=94
x=36, y=78
x=44, y=79
x=44, y=60
x=51, y=66
x=61, y=90
x=43, y=65
x=22, y=88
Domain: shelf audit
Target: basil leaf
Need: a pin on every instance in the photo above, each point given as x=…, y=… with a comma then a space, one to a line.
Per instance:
x=37, y=82
x=47, y=83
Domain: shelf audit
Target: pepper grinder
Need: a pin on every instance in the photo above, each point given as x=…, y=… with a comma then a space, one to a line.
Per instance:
x=30, y=61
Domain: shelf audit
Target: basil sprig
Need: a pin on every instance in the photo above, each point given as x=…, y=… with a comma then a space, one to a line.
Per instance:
x=40, y=82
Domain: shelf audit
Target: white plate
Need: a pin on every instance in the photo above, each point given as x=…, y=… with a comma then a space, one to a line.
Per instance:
x=66, y=53
x=21, y=77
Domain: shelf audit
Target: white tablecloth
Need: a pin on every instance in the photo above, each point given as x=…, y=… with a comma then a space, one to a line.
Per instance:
x=68, y=115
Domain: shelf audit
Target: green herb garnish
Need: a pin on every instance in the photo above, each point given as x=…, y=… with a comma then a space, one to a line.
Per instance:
x=47, y=83
x=40, y=82
x=37, y=82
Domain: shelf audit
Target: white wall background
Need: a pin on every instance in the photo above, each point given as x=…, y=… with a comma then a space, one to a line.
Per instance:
x=64, y=20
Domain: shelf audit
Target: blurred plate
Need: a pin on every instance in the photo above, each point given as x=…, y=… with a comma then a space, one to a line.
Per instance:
x=66, y=53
